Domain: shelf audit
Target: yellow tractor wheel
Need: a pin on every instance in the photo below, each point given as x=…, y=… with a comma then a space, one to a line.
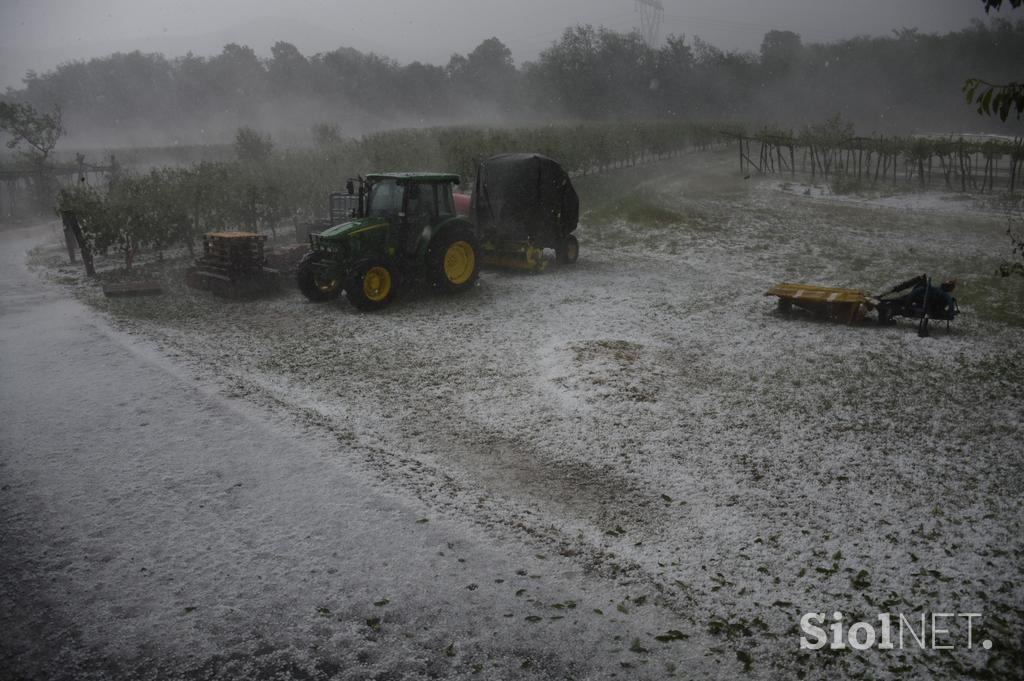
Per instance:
x=459, y=263
x=453, y=261
x=371, y=285
x=314, y=283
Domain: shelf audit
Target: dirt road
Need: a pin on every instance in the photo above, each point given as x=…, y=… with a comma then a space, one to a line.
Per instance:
x=153, y=528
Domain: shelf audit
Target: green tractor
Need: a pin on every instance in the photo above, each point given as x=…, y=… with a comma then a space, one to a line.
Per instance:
x=403, y=229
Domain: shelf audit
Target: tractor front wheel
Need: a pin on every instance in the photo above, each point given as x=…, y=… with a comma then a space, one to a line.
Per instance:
x=453, y=262
x=372, y=284
x=313, y=283
x=568, y=250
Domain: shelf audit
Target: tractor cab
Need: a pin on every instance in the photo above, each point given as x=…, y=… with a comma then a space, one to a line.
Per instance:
x=404, y=227
x=412, y=204
x=388, y=194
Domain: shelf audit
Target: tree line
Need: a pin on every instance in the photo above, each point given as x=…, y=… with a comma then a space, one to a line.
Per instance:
x=908, y=81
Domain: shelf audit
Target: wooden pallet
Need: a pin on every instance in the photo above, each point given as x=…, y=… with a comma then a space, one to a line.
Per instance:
x=233, y=265
x=241, y=252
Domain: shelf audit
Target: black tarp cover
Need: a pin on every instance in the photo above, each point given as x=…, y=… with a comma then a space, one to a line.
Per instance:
x=524, y=196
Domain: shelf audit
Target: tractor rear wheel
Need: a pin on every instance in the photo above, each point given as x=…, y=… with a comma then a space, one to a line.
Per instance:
x=568, y=250
x=372, y=284
x=313, y=283
x=453, y=261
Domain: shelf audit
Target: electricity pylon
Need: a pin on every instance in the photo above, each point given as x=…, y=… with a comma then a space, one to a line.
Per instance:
x=651, y=12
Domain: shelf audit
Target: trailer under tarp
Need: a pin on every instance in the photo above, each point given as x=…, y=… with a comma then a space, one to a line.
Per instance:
x=525, y=198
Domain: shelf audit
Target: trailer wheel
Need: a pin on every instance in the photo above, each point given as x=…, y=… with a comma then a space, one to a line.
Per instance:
x=372, y=284
x=453, y=261
x=568, y=250
x=313, y=284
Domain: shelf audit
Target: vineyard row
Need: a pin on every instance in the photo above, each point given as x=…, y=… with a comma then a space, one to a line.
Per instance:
x=174, y=205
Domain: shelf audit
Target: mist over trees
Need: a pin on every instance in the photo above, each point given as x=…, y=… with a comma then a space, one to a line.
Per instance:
x=906, y=82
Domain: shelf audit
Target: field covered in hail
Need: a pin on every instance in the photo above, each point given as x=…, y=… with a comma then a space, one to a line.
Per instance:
x=650, y=419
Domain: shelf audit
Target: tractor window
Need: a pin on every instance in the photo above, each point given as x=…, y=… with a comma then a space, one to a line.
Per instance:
x=422, y=204
x=444, y=199
x=385, y=200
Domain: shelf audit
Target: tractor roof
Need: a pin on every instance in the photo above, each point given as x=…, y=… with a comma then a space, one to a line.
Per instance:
x=416, y=177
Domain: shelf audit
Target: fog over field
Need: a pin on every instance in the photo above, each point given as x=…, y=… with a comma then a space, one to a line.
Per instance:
x=39, y=34
x=134, y=74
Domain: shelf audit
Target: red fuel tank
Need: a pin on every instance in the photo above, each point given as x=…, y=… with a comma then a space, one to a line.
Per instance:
x=462, y=203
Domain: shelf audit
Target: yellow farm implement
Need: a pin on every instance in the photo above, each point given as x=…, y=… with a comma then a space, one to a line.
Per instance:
x=916, y=298
x=514, y=255
x=847, y=305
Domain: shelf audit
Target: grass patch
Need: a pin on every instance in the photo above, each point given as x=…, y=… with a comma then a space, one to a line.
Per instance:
x=997, y=299
x=642, y=209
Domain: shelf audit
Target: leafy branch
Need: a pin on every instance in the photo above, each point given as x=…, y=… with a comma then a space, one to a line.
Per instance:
x=40, y=131
x=991, y=98
x=996, y=4
x=995, y=99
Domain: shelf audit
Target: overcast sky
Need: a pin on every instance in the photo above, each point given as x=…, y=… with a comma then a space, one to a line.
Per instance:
x=39, y=34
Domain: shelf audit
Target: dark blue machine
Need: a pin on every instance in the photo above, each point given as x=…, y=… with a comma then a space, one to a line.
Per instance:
x=918, y=299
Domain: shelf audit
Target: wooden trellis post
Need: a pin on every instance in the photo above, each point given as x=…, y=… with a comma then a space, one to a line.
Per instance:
x=71, y=224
